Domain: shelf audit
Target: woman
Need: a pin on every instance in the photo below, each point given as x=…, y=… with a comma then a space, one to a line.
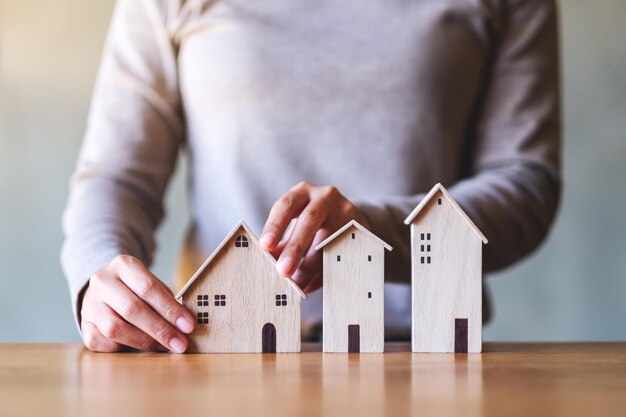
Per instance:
x=372, y=101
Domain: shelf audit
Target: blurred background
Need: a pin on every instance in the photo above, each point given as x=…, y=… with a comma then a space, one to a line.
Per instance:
x=573, y=288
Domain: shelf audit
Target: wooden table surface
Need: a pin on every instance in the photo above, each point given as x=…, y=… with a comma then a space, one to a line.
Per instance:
x=521, y=379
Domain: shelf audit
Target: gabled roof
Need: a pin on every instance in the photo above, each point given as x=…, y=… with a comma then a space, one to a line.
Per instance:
x=429, y=196
x=346, y=227
x=217, y=250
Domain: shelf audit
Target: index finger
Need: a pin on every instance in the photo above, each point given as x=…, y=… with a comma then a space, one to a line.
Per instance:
x=283, y=211
x=151, y=290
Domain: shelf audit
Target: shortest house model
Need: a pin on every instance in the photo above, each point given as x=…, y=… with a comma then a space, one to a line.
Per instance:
x=446, y=276
x=353, y=300
x=241, y=302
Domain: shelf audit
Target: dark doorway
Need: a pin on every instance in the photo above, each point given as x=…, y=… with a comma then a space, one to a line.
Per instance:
x=460, y=335
x=354, y=338
x=269, y=338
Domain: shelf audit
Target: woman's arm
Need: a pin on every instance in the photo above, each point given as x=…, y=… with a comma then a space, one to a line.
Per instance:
x=129, y=152
x=513, y=182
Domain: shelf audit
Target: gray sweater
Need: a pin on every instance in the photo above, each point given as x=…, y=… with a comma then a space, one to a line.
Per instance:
x=382, y=99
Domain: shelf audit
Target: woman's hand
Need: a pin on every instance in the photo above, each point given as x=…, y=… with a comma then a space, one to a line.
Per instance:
x=320, y=211
x=126, y=306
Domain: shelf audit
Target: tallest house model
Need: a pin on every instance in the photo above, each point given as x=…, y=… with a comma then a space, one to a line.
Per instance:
x=446, y=276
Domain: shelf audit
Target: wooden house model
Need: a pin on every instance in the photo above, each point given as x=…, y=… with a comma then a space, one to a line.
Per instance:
x=240, y=301
x=446, y=276
x=353, y=298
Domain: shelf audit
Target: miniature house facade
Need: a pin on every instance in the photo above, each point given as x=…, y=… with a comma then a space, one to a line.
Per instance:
x=353, y=298
x=240, y=301
x=446, y=276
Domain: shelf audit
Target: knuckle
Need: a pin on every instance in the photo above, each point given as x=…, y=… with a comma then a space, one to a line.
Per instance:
x=111, y=329
x=162, y=333
x=146, y=287
x=125, y=260
x=349, y=210
x=272, y=225
x=297, y=249
x=170, y=311
x=130, y=308
x=310, y=216
x=90, y=339
x=286, y=202
x=97, y=278
x=302, y=185
x=330, y=192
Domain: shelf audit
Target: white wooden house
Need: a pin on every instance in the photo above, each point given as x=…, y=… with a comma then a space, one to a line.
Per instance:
x=446, y=276
x=353, y=298
x=240, y=301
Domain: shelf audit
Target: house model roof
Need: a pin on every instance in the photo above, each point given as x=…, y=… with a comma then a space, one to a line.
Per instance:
x=358, y=226
x=430, y=195
x=221, y=246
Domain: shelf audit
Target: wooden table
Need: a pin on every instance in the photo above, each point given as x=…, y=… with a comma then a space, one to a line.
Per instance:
x=527, y=379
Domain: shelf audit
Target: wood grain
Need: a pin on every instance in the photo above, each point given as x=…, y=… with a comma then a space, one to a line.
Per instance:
x=250, y=295
x=354, y=267
x=446, y=275
x=506, y=380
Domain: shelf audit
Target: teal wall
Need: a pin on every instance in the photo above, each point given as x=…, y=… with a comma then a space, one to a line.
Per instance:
x=572, y=289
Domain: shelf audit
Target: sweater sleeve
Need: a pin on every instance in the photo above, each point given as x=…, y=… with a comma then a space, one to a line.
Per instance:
x=512, y=184
x=130, y=147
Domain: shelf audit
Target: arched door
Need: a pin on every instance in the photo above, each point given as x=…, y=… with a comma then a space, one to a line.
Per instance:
x=269, y=338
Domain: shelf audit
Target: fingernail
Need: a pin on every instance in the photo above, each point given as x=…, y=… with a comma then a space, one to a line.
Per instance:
x=267, y=240
x=285, y=265
x=178, y=345
x=184, y=325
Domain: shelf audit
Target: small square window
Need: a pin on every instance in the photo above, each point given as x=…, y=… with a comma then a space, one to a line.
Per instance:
x=422, y=248
x=338, y=258
x=439, y=201
x=206, y=303
x=203, y=318
x=369, y=294
x=422, y=260
x=369, y=258
x=422, y=236
x=199, y=297
x=428, y=259
x=281, y=300
x=428, y=236
x=219, y=300
x=199, y=303
x=428, y=248
x=353, y=236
